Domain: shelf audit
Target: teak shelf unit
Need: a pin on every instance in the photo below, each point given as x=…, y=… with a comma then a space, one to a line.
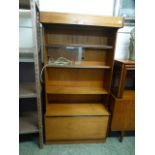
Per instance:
x=76, y=94
x=122, y=98
x=30, y=119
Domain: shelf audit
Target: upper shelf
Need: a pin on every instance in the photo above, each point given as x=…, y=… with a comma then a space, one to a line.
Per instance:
x=27, y=90
x=78, y=19
x=81, y=45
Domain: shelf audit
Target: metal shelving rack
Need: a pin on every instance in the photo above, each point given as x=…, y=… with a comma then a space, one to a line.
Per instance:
x=31, y=122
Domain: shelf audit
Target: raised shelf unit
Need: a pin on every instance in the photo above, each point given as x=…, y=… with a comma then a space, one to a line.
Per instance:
x=30, y=117
x=77, y=93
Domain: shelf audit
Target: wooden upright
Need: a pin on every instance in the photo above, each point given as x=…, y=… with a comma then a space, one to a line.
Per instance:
x=76, y=93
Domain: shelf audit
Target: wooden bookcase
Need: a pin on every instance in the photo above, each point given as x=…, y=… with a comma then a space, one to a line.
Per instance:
x=30, y=104
x=122, y=98
x=76, y=94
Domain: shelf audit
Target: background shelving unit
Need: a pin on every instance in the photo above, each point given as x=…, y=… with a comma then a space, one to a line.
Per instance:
x=76, y=94
x=30, y=108
x=122, y=98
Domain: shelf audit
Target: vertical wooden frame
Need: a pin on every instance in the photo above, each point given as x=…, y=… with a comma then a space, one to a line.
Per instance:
x=37, y=49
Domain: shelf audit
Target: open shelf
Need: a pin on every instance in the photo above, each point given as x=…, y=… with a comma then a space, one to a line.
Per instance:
x=28, y=123
x=51, y=89
x=80, y=45
x=27, y=90
x=76, y=109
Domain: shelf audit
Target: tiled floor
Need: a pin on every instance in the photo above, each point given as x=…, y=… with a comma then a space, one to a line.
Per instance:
x=111, y=147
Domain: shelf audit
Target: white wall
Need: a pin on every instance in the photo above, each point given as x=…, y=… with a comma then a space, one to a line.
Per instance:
x=122, y=43
x=95, y=7
x=25, y=29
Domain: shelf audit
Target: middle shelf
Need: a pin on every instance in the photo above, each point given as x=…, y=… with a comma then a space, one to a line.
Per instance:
x=74, y=90
x=77, y=81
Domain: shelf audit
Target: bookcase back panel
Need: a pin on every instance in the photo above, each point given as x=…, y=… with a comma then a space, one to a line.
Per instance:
x=76, y=39
x=65, y=34
x=75, y=98
x=77, y=29
x=75, y=77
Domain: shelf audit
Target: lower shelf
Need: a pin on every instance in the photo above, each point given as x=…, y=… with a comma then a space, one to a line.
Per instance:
x=28, y=123
x=76, y=109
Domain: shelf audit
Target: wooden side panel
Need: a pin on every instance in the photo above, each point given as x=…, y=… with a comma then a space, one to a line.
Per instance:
x=72, y=128
x=123, y=114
